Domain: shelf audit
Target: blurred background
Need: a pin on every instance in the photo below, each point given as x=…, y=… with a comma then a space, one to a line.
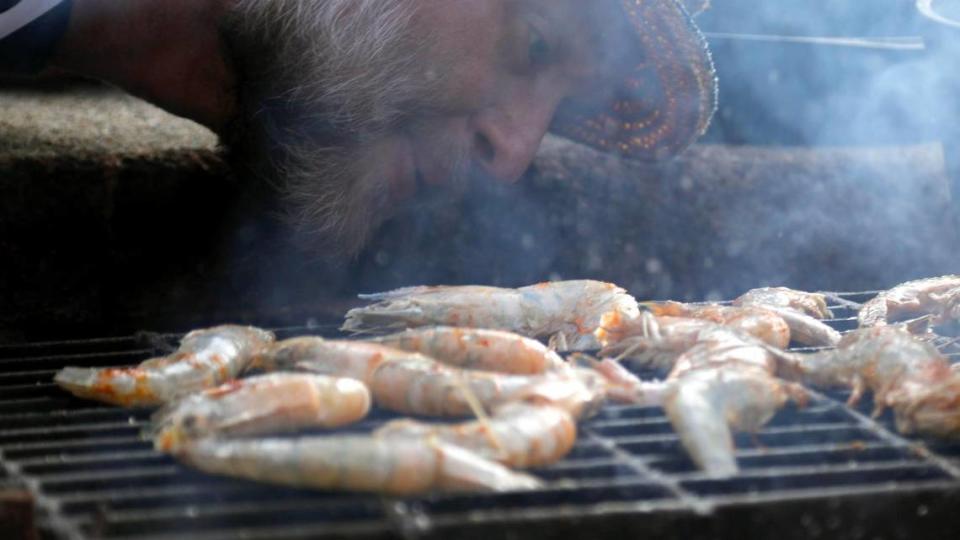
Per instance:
x=832, y=164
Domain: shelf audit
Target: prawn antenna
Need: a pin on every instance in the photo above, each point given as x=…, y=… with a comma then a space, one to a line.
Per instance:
x=634, y=347
x=477, y=408
x=558, y=342
x=651, y=328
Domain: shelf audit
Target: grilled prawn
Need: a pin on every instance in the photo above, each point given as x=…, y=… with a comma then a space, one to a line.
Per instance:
x=801, y=310
x=805, y=329
x=401, y=381
x=205, y=359
x=774, y=324
x=904, y=373
x=402, y=466
x=537, y=429
x=760, y=323
x=724, y=382
x=703, y=406
x=812, y=304
x=471, y=348
x=649, y=341
x=263, y=404
x=939, y=297
x=721, y=380
x=570, y=310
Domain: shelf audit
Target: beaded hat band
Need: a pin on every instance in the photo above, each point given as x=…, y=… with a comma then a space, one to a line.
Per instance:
x=667, y=88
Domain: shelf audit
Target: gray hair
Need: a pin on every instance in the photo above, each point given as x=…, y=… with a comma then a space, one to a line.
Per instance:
x=322, y=81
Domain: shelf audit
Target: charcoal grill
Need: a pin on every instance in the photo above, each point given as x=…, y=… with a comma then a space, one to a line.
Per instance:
x=825, y=471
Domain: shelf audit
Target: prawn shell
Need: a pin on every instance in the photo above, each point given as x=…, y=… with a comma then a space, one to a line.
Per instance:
x=401, y=381
x=477, y=348
x=705, y=406
x=812, y=304
x=912, y=298
x=273, y=403
x=341, y=358
x=426, y=387
x=204, y=359
x=763, y=324
x=517, y=435
x=356, y=463
x=936, y=413
x=571, y=310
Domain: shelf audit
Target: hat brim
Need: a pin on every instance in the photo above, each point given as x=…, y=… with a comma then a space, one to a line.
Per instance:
x=666, y=95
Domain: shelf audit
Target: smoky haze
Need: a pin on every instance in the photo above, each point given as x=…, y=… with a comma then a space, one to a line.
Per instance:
x=834, y=173
x=827, y=167
x=891, y=87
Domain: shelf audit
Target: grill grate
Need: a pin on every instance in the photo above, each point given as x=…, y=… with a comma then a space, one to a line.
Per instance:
x=825, y=468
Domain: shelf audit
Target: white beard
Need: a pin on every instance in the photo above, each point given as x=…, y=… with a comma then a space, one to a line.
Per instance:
x=331, y=78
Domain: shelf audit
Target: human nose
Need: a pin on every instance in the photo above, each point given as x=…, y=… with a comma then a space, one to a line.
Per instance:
x=506, y=138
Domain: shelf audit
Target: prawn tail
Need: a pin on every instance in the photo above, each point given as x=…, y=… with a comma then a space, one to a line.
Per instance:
x=398, y=466
x=704, y=432
x=78, y=381
x=463, y=470
x=380, y=317
x=805, y=329
x=114, y=386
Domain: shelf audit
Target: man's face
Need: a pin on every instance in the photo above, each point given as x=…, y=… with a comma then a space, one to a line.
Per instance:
x=369, y=105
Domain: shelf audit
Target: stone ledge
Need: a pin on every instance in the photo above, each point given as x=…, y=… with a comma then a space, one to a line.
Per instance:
x=90, y=122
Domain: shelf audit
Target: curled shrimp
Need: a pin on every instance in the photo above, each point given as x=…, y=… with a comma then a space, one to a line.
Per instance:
x=204, y=359
x=537, y=429
x=773, y=324
x=269, y=403
x=401, y=381
x=567, y=310
x=802, y=312
x=724, y=382
x=904, y=373
x=405, y=466
x=938, y=297
x=720, y=380
x=704, y=405
x=760, y=323
x=812, y=304
x=805, y=329
x=472, y=348
x=649, y=341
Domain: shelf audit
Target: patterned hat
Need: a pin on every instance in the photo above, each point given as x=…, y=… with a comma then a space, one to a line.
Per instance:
x=667, y=92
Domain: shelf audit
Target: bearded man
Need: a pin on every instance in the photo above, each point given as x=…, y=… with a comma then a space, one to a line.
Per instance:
x=352, y=109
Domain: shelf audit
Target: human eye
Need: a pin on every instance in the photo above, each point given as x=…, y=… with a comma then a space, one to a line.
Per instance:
x=539, y=51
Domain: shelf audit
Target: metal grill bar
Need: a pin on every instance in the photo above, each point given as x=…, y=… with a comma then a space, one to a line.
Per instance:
x=93, y=476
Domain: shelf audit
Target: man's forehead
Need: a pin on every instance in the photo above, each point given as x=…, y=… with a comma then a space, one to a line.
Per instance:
x=600, y=43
